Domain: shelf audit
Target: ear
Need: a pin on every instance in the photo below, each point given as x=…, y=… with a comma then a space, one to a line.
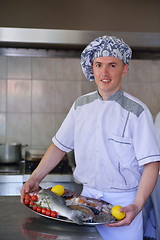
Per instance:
x=125, y=70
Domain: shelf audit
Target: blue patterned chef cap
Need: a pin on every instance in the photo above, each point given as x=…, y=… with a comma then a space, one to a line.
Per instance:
x=106, y=46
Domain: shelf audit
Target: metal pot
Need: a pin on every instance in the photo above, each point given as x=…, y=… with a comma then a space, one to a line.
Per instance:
x=11, y=153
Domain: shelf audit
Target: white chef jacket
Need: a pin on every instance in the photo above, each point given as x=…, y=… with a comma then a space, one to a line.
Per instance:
x=111, y=139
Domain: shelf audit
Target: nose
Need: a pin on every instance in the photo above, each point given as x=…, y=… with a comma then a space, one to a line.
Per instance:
x=104, y=71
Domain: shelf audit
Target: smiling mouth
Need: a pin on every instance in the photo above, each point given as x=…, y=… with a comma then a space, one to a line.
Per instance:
x=106, y=80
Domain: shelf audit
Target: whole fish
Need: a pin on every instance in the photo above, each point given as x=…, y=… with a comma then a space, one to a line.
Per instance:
x=83, y=212
x=46, y=198
x=100, y=208
x=100, y=205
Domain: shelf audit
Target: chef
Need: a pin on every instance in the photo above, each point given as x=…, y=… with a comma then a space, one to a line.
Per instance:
x=112, y=134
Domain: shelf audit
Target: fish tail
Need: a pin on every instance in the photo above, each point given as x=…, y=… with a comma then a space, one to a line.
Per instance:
x=75, y=218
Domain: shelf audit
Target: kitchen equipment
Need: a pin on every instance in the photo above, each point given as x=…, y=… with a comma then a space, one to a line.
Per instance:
x=32, y=159
x=10, y=168
x=11, y=153
x=63, y=166
x=71, y=160
x=34, y=156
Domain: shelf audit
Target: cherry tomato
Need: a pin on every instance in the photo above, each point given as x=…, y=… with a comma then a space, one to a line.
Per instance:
x=39, y=209
x=44, y=210
x=34, y=198
x=48, y=212
x=27, y=201
x=32, y=203
x=27, y=196
x=35, y=208
x=54, y=214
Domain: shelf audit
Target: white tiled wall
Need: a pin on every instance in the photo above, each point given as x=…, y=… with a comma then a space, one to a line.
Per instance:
x=36, y=94
x=143, y=81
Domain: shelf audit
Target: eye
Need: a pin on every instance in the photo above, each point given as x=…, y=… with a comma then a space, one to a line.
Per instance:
x=98, y=65
x=113, y=65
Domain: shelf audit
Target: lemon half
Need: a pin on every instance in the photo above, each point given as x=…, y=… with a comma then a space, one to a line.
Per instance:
x=115, y=211
x=58, y=189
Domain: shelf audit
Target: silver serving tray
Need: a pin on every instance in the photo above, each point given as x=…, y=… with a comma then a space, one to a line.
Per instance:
x=64, y=219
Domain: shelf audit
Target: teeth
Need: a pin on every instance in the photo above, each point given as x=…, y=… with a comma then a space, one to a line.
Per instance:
x=105, y=80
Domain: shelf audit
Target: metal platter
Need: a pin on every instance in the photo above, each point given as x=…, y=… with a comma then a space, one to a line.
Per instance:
x=64, y=219
x=90, y=211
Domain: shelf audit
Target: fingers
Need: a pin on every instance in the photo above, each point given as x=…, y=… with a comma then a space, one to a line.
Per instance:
x=125, y=209
x=125, y=222
x=131, y=213
x=117, y=224
x=23, y=192
x=25, y=189
x=22, y=196
x=28, y=187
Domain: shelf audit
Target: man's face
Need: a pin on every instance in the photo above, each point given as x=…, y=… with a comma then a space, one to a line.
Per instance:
x=108, y=73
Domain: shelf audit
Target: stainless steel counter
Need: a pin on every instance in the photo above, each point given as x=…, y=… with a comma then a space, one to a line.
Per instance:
x=10, y=185
x=18, y=223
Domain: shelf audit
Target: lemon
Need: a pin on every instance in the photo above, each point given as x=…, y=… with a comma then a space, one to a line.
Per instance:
x=58, y=189
x=115, y=211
